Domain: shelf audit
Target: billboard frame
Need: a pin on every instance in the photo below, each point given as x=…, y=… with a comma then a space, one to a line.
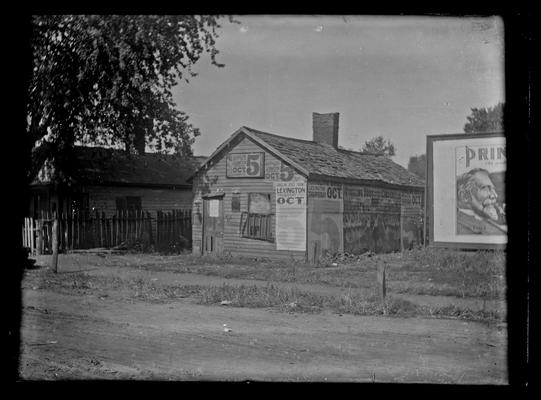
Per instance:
x=429, y=192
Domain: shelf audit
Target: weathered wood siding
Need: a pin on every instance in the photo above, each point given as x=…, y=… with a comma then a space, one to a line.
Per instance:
x=372, y=216
x=325, y=218
x=214, y=180
x=103, y=198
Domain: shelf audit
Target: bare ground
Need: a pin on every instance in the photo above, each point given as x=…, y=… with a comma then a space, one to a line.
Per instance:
x=109, y=335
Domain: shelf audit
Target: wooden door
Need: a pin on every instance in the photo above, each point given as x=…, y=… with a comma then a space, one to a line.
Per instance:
x=213, y=226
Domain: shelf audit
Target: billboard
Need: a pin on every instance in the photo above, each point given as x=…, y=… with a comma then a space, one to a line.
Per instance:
x=466, y=190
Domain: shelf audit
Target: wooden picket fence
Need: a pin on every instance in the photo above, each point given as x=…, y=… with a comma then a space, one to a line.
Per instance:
x=168, y=230
x=170, y=226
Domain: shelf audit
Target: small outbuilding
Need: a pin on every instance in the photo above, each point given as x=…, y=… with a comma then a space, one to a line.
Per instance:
x=110, y=180
x=268, y=196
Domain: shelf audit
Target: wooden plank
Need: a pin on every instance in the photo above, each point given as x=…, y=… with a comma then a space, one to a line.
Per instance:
x=103, y=230
x=114, y=228
x=54, y=258
x=25, y=232
x=136, y=224
x=78, y=227
x=66, y=228
x=401, y=230
x=381, y=284
x=72, y=218
x=117, y=228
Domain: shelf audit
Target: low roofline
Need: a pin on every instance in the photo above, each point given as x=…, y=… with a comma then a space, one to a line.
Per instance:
x=373, y=182
x=173, y=186
x=138, y=184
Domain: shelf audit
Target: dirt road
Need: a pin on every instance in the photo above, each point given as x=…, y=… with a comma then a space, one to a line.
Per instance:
x=107, y=336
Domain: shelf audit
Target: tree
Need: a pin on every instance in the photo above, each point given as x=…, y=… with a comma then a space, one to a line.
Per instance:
x=485, y=119
x=379, y=145
x=107, y=80
x=417, y=165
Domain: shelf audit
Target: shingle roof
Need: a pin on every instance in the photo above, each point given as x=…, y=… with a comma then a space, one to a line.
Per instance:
x=100, y=165
x=325, y=160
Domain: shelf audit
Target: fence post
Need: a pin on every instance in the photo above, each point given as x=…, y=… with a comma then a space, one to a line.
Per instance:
x=103, y=229
x=72, y=220
x=401, y=229
x=25, y=232
x=149, y=224
x=39, y=231
x=157, y=227
x=78, y=225
x=382, y=289
x=54, y=258
x=32, y=240
x=138, y=215
x=65, y=227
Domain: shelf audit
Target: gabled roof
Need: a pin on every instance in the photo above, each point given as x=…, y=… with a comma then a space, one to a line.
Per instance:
x=315, y=159
x=98, y=165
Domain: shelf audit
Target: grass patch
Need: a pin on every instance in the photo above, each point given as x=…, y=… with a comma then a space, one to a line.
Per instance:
x=476, y=274
x=435, y=272
x=295, y=300
x=251, y=296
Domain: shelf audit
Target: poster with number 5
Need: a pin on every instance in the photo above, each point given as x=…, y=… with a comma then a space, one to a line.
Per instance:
x=245, y=165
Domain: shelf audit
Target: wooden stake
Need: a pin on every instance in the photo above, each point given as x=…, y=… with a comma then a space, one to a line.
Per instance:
x=39, y=244
x=54, y=258
x=382, y=289
x=401, y=231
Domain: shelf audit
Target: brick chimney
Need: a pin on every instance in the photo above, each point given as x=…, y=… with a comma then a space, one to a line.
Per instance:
x=325, y=128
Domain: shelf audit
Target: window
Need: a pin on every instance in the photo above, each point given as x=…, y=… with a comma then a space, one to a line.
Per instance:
x=128, y=203
x=257, y=223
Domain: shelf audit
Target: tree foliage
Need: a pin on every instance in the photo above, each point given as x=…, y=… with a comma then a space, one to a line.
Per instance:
x=417, y=165
x=488, y=119
x=107, y=80
x=379, y=145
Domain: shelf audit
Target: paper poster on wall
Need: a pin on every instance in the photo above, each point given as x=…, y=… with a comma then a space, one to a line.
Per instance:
x=467, y=190
x=245, y=165
x=214, y=210
x=259, y=203
x=480, y=173
x=290, y=215
x=326, y=217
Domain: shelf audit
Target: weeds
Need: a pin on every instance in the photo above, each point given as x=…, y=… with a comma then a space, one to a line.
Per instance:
x=450, y=272
x=426, y=271
x=295, y=300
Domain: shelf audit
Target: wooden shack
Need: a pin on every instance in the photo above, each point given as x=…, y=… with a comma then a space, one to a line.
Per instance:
x=268, y=196
x=109, y=180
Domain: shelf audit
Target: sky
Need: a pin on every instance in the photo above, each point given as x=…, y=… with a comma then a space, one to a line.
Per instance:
x=399, y=77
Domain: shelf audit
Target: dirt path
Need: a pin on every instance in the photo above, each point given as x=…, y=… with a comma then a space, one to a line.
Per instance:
x=85, y=337
x=73, y=337
x=108, y=335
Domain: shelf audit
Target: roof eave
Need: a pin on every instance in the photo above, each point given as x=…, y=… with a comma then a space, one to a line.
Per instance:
x=261, y=142
x=365, y=181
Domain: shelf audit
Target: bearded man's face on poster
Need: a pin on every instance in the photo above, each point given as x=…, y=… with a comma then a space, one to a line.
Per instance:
x=478, y=193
